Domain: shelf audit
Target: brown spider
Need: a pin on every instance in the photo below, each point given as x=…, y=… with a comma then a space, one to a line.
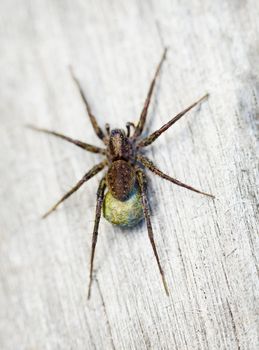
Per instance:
x=125, y=176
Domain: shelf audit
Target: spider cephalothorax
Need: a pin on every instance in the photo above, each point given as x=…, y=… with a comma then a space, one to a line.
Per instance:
x=120, y=146
x=125, y=202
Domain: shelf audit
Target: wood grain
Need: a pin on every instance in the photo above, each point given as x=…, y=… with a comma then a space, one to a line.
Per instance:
x=208, y=248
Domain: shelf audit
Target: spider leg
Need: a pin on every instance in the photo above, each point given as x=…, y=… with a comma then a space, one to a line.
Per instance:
x=141, y=177
x=144, y=111
x=128, y=126
x=108, y=129
x=151, y=138
x=95, y=125
x=100, y=196
x=85, y=146
x=150, y=165
x=96, y=169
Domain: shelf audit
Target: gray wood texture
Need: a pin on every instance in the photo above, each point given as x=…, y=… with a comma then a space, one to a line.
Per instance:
x=209, y=249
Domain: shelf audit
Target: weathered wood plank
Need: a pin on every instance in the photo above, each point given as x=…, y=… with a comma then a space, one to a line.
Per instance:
x=209, y=249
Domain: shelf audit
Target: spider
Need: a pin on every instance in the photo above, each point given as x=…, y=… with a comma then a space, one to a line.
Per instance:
x=126, y=201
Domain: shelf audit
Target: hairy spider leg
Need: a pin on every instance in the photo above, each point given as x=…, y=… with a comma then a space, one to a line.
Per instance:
x=150, y=165
x=96, y=169
x=142, y=181
x=100, y=197
x=95, y=125
x=85, y=146
x=152, y=137
x=143, y=115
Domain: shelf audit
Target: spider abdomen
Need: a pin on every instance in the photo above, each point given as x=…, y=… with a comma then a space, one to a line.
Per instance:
x=126, y=213
x=121, y=179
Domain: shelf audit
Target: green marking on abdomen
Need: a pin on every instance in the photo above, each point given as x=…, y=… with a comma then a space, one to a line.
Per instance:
x=127, y=213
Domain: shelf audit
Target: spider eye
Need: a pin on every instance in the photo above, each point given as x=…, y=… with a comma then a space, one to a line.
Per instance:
x=114, y=132
x=117, y=132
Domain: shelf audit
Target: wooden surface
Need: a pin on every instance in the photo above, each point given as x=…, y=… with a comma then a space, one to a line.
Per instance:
x=208, y=248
